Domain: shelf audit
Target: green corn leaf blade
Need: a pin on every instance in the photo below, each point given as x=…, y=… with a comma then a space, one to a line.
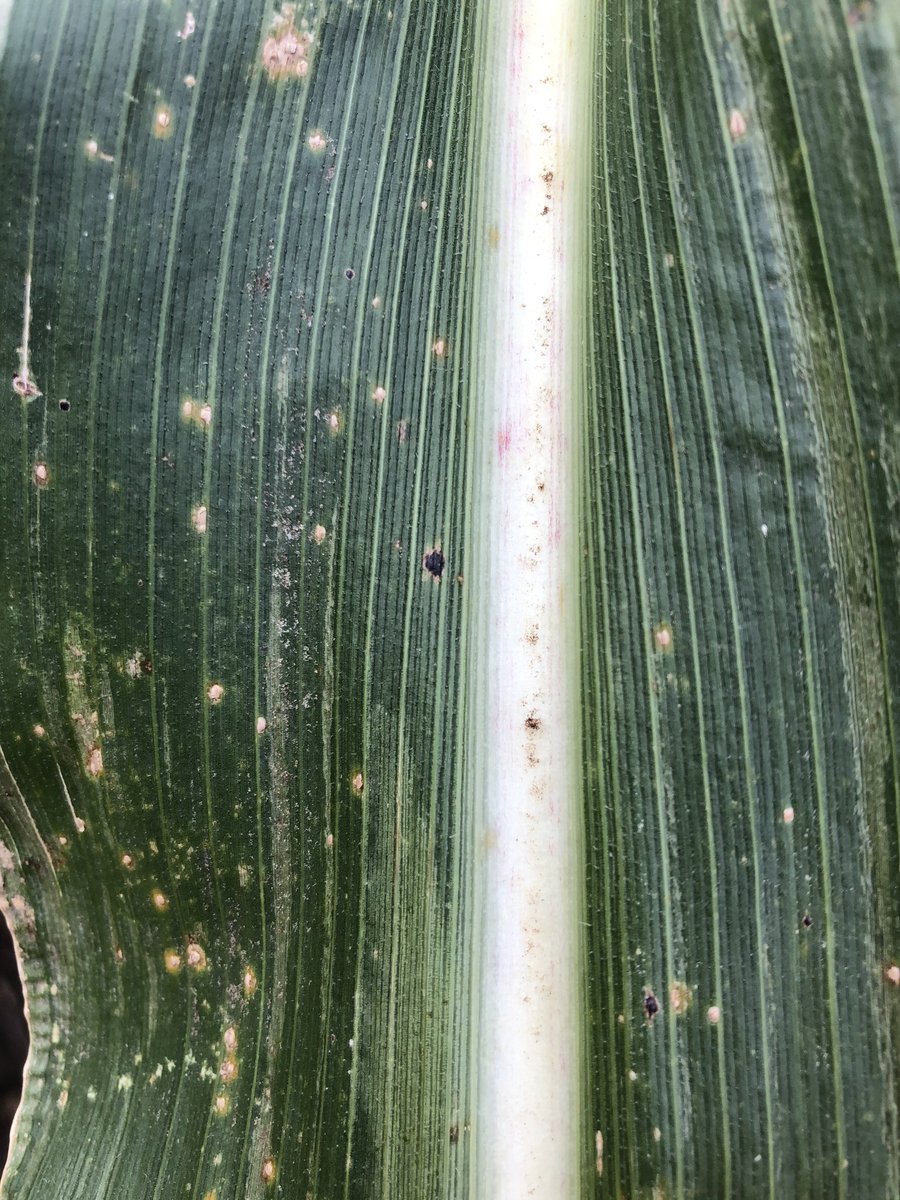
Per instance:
x=449, y=670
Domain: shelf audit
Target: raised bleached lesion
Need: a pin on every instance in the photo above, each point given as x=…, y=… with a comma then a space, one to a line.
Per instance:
x=24, y=383
x=286, y=51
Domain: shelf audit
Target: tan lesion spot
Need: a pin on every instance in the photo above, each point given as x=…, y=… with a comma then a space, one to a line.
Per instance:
x=737, y=124
x=40, y=474
x=286, y=51
x=196, y=956
x=163, y=122
x=663, y=637
x=680, y=997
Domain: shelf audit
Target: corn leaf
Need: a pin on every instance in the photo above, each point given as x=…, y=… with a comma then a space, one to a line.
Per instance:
x=450, y=623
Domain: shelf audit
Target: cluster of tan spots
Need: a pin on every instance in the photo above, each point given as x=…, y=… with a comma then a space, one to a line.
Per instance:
x=268, y=1170
x=172, y=960
x=680, y=997
x=285, y=52
x=199, y=518
x=358, y=783
x=196, y=413
x=439, y=348
x=215, y=692
x=713, y=1014
x=159, y=901
x=319, y=534
x=93, y=151
x=379, y=395
x=189, y=26
x=40, y=473
x=249, y=981
x=260, y=724
x=317, y=141
x=892, y=974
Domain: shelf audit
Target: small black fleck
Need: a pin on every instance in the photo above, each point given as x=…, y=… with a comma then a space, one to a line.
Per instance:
x=807, y=921
x=651, y=1004
x=64, y=406
x=349, y=273
x=434, y=563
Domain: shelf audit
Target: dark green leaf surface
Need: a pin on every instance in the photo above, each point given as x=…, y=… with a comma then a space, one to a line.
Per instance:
x=225, y=268
x=741, y=605
x=239, y=841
